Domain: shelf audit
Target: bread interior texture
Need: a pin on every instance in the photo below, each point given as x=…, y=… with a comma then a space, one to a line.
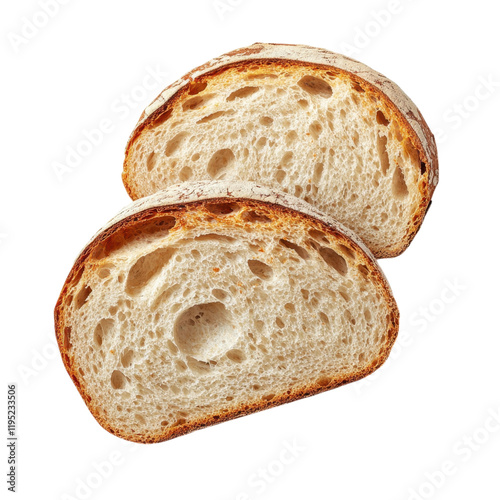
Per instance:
x=215, y=308
x=311, y=132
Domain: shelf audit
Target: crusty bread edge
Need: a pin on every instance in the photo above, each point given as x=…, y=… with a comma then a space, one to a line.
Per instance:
x=177, y=198
x=372, y=81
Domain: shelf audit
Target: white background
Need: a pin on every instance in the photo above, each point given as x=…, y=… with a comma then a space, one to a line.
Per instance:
x=386, y=437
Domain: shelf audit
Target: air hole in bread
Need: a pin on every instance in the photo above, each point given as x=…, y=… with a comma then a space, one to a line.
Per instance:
x=291, y=137
x=259, y=76
x=286, y=159
x=367, y=314
x=198, y=367
x=219, y=294
x=304, y=293
x=253, y=216
x=101, y=331
x=215, y=237
x=211, y=117
x=260, y=269
x=363, y=270
x=347, y=251
x=205, y=330
x=161, y=118
x=280, y=176
x=82, y=296
x=261, y=143
x=289, y=307
x=151, y=161
x=303, y=103
x=319, y=236
x=382, y=153
x=315, y=86
x=381, y=119
x=324, y=318
x=242, y=93
x=104, y=272
x=315, y=129
x=175, y=143
x=236, y=355
x=268, y=397
x=318, y=172
x=118, y=380
x=196, y=102
x=197, y=87
x=355, y=138
x=300, y=251
x=181, y=366
x=399, y=187
x=127, y=357
x=423, y=168
x=280, y=323
x=219, y=163
x=67, y=338
x=185, y=173
x=334, y=260
x=324, y=381
x=266, y=121
x=146, y=268
x=357, y=87
x=222, y=208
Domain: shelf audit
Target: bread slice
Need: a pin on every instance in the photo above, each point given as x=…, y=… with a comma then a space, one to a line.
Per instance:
x=300, y=119
x=212, y=300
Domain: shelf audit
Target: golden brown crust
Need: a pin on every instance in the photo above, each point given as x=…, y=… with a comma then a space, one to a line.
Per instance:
x=308, y=390
x=428, y=161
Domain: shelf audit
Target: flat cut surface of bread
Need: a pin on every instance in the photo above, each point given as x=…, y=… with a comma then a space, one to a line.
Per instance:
x=303, y=120
x=211, y=300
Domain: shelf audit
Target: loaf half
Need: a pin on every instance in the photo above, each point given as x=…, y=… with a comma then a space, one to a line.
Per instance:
x=212, y=300
x=303, y=120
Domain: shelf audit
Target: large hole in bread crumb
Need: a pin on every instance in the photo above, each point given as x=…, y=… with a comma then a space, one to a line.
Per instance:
x=260, y=269
x=211, y=117
x=196, y=102
x=197, y=367
x=127, y=357
x=253, y=216
x=102, y=330
x=382, y=153
x=260, y=76
x=67, y=338
x=151, y=161
x=334, y=260
x=146, y=268
x=242, y=93
x=219, y=163
x=175, y=143
x=82, y=296
x=185, y=173
x=222, y=208
x=236, y=355
x=205, y=331
x=197, y=87
x=315, y=129
x=315, y=86
x=399, y=187
x=300, y=251
x=381, y=119
x=118, y=380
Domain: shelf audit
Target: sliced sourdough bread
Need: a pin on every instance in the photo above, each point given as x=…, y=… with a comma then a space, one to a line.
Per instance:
x=212, y=300
x=300, y=119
